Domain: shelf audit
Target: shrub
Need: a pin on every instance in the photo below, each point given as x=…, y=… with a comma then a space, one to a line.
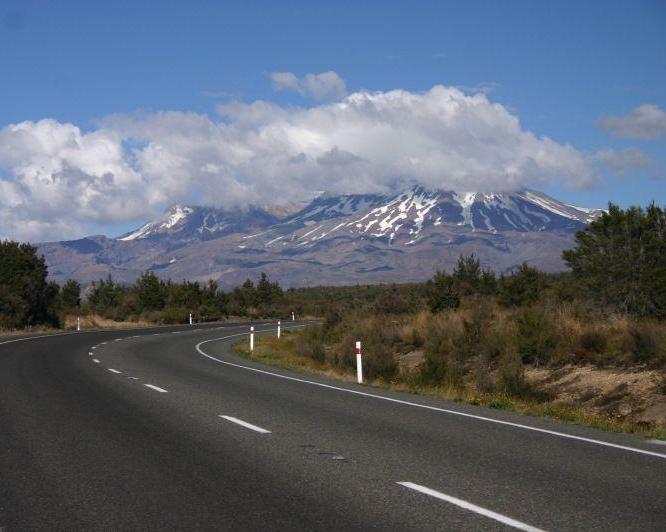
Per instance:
x=512, y=375
x=523, y=287
x=442, y=363
x=379, y=339
x=332, y=319
x=390, y=303
x=173, y=315
x=535, y=340
x=442, y=293
x=379, y=363
x=483, y=381
x=474, y=330
x=593, y=340
x=310, y=343
x=645, y=344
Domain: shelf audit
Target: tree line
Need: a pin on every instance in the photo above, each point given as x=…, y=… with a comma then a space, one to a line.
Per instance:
x=618, y=264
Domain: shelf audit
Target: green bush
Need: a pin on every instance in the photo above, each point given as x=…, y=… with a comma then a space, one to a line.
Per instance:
x=535, y=336
x=523, y=287
x=442, y=293
x=442, y=363
x=379, y=340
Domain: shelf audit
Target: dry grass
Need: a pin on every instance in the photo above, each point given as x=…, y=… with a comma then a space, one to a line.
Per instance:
x=284, y=353
x=94, y=321
x=33, y=330
x=542, y=398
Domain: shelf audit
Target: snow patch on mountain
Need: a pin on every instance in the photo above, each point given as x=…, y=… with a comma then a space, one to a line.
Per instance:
x=168, y=220
x=581, y=214
x=142, y=232
x=177, y=214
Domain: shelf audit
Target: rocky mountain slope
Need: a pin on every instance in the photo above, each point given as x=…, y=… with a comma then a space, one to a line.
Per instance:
x=334, y=239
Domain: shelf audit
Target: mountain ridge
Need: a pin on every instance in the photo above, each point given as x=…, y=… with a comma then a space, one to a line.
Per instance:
x=340, y=239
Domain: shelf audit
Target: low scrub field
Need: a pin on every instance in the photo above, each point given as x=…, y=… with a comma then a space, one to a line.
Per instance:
x=559, y=360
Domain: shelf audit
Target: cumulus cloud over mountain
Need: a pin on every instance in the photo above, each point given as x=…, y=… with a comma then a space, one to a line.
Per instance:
x=261, y=152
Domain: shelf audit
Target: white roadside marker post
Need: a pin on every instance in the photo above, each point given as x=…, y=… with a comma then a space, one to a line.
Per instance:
x=251, y=338
x=78, y=323
x=190, y=318
x=293, y=316
x=279, y=327
x=359, y=364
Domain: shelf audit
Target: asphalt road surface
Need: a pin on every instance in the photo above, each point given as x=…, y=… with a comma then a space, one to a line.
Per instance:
x=160, y=429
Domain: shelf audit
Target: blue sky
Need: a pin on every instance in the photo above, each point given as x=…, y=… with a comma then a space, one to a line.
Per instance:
x=559, y=67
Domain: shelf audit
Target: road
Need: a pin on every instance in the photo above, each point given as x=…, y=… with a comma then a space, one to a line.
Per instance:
x=165, y=428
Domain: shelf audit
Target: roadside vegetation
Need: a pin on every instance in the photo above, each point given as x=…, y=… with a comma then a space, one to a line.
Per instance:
x=588, y=345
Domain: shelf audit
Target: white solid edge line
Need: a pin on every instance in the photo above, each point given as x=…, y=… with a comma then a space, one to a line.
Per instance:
x=426, y=407
x=245, y=424
x=85, y=332
x=95, y=361
x=114, y=370
x=156, y=388
x=471, y=507
x=37, y=337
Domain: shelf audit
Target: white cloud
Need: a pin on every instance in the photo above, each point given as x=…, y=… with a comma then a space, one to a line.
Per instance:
x=62, y=178
x=134, y=165
x=625, y=162
x=327, y=86
x=283, y=81
x=646, y=122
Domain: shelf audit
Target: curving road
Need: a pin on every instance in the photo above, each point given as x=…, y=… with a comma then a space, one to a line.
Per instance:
x=165, y=429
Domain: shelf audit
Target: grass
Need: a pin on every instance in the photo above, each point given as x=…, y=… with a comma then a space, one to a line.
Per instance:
x=284, y=353
x=33, y=330
x=94, y=321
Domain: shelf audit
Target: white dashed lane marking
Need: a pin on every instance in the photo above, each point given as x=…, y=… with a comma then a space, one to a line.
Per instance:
x=471, y=507
x=246, y=424
x=156, y=388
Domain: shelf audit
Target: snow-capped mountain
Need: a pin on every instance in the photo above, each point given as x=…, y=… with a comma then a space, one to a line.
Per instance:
x=339, y=239
x=203, y=223
x=404, y=218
